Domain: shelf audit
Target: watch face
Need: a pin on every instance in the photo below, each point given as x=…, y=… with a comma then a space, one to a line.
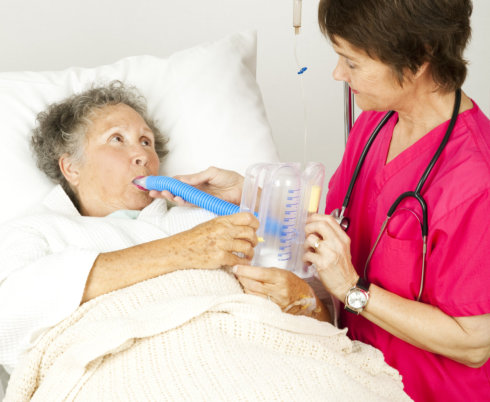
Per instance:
x=357, y=299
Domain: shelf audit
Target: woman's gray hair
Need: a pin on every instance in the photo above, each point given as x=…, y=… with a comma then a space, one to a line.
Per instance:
x=61, y=128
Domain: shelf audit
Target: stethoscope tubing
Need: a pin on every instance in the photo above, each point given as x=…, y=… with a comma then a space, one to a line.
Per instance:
x=343, y=221
x=364, y=153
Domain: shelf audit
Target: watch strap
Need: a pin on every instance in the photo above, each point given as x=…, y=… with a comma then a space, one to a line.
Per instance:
x=363, y=284
x=350, y=310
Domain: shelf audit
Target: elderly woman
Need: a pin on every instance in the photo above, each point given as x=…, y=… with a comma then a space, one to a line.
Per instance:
x=98, y=232
x=107, y=294
x=421, y=297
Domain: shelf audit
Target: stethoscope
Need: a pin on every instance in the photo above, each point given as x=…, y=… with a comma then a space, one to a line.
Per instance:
x=343, y=221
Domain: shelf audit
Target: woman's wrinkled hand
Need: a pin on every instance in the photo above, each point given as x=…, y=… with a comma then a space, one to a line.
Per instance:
x=327, y=246
x=278, y=285
x=221, y=183
x=221, y=242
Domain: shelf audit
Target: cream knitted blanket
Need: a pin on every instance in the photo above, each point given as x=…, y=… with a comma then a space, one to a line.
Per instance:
x=194, y=335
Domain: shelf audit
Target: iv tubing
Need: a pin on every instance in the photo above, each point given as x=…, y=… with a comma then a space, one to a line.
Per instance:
x=188, y=193
x=303, y=98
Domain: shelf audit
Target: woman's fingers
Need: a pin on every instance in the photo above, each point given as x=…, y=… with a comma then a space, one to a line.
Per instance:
x=222, y=241
x=259, y=274
x=244, y=219
x=311, y=242
x=324, y=225
x=281, y=285
x=327, y=246
x=243, y=247
x=257, y=287
x=253, y=286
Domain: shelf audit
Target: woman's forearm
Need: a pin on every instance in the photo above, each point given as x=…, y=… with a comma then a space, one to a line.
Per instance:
x=122, y=268
x=213, y=244
x=465, y=340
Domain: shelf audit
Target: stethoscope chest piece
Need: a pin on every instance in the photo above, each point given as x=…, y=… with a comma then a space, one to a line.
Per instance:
x=339, y=217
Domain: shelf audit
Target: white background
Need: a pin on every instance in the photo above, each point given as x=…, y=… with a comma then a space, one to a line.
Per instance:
x=55, y=34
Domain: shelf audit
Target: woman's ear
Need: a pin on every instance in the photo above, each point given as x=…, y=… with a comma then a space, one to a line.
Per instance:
x=69, y=169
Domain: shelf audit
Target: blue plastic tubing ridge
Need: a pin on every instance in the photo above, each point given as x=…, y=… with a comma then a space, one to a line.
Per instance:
x=191, y=194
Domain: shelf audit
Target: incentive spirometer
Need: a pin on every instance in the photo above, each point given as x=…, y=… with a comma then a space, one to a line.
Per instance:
x=287, y=196
x=280, y=195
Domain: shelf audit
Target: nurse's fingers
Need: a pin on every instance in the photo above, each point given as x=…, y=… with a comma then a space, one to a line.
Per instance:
x=311, y=243
x=326, y=227
x=324, y=233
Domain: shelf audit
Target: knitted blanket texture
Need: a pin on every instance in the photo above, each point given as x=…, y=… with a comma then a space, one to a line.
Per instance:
x=194, y=335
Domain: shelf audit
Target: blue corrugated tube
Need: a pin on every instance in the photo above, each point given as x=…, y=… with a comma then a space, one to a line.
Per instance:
x=188, y=193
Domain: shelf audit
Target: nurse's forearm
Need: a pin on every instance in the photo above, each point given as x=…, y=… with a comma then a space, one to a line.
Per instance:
x=464, y=339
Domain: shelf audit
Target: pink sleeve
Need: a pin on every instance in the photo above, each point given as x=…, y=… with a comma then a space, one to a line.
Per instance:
x=458, y=266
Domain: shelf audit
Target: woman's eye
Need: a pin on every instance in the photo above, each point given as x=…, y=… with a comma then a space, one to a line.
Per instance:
x=117, y=138
x=349, y=63
x=146, y=142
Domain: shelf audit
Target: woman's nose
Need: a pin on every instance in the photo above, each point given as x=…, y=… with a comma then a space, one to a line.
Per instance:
x=338, y=73
x=139, y=157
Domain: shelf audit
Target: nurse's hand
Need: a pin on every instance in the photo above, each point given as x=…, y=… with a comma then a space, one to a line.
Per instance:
x=328, y=247
x=282, y=287
x=224, y=184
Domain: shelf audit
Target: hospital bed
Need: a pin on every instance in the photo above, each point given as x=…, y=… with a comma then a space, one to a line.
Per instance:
x=207, y=101
x=231, y=129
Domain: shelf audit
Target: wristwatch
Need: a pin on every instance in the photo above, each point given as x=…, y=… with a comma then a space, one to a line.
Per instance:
x=357, y=296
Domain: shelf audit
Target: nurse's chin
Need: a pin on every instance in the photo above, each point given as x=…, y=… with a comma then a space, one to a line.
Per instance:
x=369, y=107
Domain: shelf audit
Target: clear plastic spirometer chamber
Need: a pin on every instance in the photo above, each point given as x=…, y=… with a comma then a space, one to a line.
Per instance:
x=285, y=195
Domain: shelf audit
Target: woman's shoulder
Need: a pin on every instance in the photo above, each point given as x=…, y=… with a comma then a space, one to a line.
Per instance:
x=477, y=125
x=469, y=146
x=461, y=179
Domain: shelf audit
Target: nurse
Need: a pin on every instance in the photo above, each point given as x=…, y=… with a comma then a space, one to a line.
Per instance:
x=428, y=312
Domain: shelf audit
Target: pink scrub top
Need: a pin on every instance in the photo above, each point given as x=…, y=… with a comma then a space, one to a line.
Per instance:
x=457, y=277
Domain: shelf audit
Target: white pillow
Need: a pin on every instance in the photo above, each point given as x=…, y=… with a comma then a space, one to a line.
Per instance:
x=205, y=99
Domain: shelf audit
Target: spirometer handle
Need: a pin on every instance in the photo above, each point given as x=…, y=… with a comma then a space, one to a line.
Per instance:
x=191, y=194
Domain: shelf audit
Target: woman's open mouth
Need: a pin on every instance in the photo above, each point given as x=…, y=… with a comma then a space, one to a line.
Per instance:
x=136, y=182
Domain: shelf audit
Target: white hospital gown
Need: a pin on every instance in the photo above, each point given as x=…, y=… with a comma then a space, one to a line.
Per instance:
x=46, y=259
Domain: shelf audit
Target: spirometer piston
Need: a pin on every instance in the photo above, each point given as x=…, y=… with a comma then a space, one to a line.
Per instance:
x=287, y=195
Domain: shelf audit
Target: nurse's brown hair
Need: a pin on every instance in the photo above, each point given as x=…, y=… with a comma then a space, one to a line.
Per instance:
x=405, y=34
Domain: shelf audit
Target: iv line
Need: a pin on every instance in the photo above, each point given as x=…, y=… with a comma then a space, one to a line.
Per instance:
x=303, y=97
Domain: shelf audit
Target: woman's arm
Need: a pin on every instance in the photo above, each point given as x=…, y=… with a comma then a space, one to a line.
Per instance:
x=210, y=245
x=464, y=339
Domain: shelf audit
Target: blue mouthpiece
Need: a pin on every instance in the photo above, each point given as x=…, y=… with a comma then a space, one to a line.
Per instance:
x=188, y=193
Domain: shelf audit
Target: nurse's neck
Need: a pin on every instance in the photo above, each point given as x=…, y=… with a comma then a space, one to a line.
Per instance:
x=421, y=111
